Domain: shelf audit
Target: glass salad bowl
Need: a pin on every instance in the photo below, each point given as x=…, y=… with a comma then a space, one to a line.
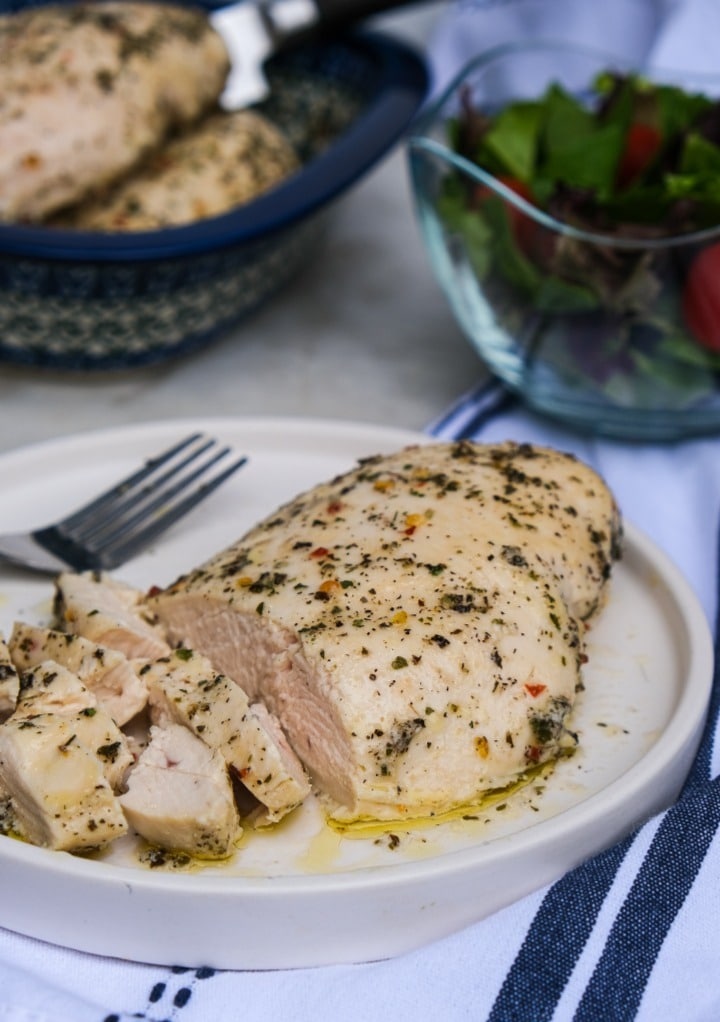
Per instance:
x=582, y=258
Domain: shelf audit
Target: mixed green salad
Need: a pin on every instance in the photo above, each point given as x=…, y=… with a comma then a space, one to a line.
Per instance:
x=637, y=163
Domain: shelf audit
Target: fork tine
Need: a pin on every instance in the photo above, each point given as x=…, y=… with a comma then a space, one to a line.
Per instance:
x=121, y=521
x=99, y=503
x=91, y=527
x=154, y=497
x=129, y=542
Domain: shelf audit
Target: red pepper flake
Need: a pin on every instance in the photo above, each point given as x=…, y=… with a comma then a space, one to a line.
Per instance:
x=334, y=506
x=412, y=521
x=154, y=591
x=318, y=552
x=535, y=690
x=533, y=753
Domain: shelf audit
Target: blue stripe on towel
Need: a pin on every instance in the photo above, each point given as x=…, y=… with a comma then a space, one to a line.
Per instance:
x=663, y=882
x=563, y=923
x=473, y=411
x=555, y=940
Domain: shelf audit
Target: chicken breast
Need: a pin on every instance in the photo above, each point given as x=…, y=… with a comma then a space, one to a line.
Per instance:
x=50, y=688
x=223, y=162
x=109, y=613
x=413, y=623
x=185, y=688
x=9, y=681
x=88, y=89
x=108, y=674
x=59, y=795
x=180, y=797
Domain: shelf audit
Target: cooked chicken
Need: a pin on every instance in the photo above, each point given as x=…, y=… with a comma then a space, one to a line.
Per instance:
x=107, y=673
x=185, y=688
x=108, y=613
x=59, y=794
x=50, y=688
x=413, y=623
x=226, y=160
x=90, y=88
x=8, y=680
x=180, y=797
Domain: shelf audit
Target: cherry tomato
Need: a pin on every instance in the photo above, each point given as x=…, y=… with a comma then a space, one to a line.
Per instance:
x=517, y=186
x=641, y=147
x=701, y=297
x=523, y=227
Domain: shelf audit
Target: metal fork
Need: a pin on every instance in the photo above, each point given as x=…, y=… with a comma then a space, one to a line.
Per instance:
x=121, y=522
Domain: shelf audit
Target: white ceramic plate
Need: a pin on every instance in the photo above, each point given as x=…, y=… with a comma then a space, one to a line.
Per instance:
x=302, y=895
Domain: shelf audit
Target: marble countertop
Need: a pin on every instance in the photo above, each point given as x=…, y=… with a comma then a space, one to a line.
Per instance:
x=363, y=334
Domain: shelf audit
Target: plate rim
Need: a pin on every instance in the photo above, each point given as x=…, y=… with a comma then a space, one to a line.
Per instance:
x=679, y=737
x=455, y=861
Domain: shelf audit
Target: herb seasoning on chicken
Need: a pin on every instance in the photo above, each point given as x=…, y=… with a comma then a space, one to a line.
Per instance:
x=223, y=162
x=61, y=759
x=88, y=89
x=415, y=624
x=184, y=689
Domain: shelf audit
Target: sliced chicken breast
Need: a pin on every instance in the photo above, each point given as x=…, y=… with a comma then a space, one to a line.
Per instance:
x=223, y=162
x=180, y=796
x=108, y=613
x=413, y=623
x=50, y=688
x=90, y=88
x=59, y=794
x=185, y=688
x=109, y=675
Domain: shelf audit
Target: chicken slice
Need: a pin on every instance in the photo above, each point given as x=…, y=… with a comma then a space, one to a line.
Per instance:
x=413, y=623
x=185, y=688
x=180, y=796
x=50, y=688
x=59, y=795
x=108, y=613
x=110, y=676
x=9, y=680
x=223, y=162
x=90, y=88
